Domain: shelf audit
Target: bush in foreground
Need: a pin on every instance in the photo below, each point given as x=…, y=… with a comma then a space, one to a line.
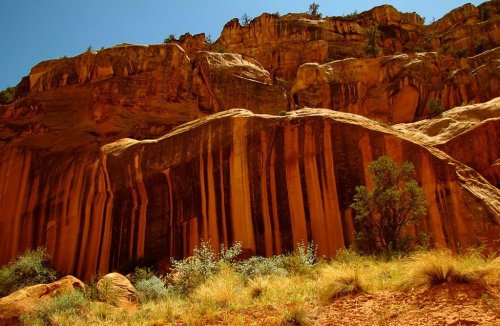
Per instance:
x=28, y=269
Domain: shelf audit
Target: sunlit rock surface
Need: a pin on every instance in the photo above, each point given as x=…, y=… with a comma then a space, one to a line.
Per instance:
x=103, y=162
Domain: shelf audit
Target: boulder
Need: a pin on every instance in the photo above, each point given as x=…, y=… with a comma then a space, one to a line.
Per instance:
x=25, y=300
x=116, y=289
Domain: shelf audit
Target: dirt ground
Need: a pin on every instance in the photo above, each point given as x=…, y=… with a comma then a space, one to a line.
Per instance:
x=440, y=305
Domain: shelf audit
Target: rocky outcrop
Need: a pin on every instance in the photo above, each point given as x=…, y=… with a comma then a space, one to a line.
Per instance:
x=21, y=302
x=470, y=134
x=283, y=43
x=397, y=88
x=110, y=88
x=80, y=173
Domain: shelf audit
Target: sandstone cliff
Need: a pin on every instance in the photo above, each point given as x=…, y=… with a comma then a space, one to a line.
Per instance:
x=397, y=88
x=80, y=173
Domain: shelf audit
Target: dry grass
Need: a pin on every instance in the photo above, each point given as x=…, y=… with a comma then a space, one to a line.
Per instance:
x=346, y=283
x=230, y=297
x=432, y=268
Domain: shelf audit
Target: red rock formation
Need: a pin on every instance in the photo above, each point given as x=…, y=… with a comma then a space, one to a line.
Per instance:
x=268, y=181
x=272, y=182
x=397, y=88
x=470, y=134
x=53, y=190
x=23, y=301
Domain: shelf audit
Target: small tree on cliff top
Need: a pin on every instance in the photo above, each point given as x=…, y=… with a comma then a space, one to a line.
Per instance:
x=383, y=213
x=313, y=9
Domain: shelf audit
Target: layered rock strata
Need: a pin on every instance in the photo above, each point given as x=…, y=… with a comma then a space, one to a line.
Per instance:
x=398, y=88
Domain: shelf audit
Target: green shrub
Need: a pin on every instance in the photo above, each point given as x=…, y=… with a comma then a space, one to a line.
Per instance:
x=418, y=49
x=151, y=289
x=371, y=41
x=65, y=304
x=189, y=273
x=435, y=106
x=169, y=39
x=353, y=15
x=302, y=259
x=261, y=266
x=485, y=13
x=382, y=214
x=7, y=96
x=445, y=49
x=461, y=53
x=141, y=273
x=28, y=269
x=480, y=45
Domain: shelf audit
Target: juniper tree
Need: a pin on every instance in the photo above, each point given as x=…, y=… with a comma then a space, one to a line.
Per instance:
x=382, y=214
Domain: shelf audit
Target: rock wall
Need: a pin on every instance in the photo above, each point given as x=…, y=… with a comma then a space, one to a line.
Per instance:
x=397, y=88
x=469, y=133
x=272, y=182
x=79, y=175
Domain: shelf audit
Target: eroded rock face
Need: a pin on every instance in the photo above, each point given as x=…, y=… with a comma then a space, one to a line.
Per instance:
x=470, y=134
x=25, y=300
x=266, y=180
x=272, y=182
x=397, y=88
x=283, y=43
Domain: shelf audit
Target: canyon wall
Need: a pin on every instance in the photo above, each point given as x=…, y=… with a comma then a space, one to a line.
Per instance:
x=272, y=182
x=103, y=160
x=398, y=88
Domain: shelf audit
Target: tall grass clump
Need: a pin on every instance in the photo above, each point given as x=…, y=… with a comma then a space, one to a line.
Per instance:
x=342, y=282
x=427, y=269
x=28, y=269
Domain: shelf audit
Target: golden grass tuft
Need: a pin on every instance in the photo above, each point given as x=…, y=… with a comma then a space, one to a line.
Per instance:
x=346, y=282
x=427, y=269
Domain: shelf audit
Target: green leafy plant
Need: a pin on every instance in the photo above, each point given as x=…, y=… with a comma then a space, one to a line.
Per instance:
x=141, y=273
x=353, y=15
x=461, y=53
x=314, y=10
x=480, y=45
x=485, y=13
x=261, y=266
x=435, y=106
x=65, y=304
x=189, y=273
x=169, y=39
x=445, y=49
x=7, y=96
x=28, y=269
x=372, y=38
x=151, y=289
x=382, y=214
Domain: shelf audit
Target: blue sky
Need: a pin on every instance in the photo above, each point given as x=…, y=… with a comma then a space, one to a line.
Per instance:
x=37, y=30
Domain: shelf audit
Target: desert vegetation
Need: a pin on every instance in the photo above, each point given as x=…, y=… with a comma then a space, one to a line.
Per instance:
x=216, y=287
